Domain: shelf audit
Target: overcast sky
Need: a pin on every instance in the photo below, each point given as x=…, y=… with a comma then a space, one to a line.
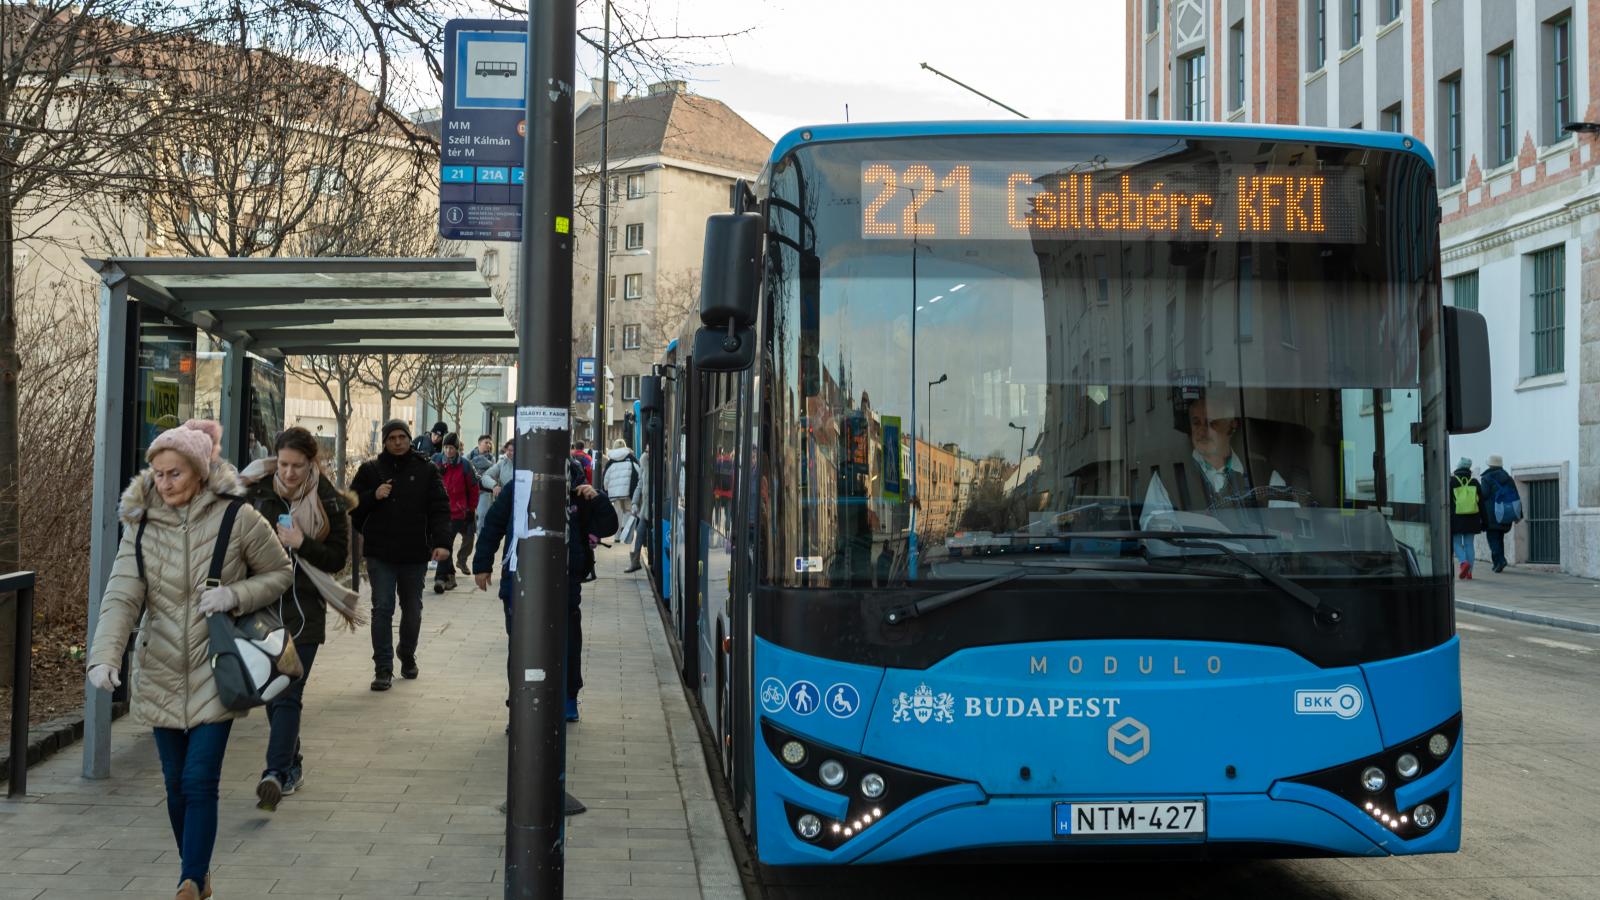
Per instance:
x=802, y=61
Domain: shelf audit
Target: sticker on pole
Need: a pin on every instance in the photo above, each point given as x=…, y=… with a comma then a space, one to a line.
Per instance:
x=541, y=418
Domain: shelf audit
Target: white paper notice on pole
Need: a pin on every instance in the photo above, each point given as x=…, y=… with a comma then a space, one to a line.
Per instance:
x=541, y=418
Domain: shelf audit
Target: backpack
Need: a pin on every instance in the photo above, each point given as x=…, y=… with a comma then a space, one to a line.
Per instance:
x=1466, y=496
x=1507, y=503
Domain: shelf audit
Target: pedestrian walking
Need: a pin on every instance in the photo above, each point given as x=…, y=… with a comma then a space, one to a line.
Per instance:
x=640, y=503
x=1503, y=510
x=1466, y=515
x=621, y=477
x=482, y=459
x=293, y=489
x=583, y=458
x=403, y=515
x=590, y=517
x=432, y=442
x=174, y=513
x=499, y=476
x=461, y=486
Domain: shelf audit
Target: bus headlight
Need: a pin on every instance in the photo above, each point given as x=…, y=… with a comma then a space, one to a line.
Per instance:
x=831, y=773
x=809, y=826
x=872, y=785
x=1424, y=815
x=1439, y=746
x=1373, y=779
x=1407, y=766
x=794, y=753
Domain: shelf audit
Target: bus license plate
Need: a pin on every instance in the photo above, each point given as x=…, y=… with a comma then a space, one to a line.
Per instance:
x=1150, y=818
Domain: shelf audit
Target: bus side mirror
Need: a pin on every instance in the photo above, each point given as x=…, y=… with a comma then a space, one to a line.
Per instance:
x=650, y=396
x=730, y=293
x=1468, y=405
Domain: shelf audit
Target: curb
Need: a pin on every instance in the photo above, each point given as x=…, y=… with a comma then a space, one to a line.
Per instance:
x=48, y=738
x=1519, y=615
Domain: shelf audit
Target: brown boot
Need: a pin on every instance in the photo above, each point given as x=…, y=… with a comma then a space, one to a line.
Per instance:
x=188, y=891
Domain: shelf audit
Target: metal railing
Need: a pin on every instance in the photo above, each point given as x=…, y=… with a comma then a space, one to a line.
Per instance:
x=21, y=584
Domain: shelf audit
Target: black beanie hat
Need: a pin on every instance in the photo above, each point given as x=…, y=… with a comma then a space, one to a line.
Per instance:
x=440, y=428
x=452, y=440
x=394, y=425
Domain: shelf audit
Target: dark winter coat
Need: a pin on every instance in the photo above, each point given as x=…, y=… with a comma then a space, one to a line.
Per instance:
x=594, y=517
x=460, y=485
x=1493, y=479
x=1465, y=524
x=413, y=521
x=305, y=612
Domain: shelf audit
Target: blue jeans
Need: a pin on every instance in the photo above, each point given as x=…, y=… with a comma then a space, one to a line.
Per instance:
x=283, y=720
x=1463, y=544
x=390, y=580
x=191, y=765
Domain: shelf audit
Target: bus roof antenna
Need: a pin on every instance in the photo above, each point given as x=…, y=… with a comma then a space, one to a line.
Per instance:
x=969, y=87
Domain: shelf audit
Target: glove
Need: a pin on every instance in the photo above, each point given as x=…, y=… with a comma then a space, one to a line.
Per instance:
x=218, y=600
x=104, y=677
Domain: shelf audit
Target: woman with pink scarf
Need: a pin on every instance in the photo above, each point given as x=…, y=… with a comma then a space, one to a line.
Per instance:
x=311, y=518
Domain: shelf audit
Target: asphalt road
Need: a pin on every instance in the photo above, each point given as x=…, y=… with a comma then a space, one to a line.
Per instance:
x=1532, y=808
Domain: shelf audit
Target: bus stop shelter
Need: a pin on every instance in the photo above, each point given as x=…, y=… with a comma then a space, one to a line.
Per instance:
x=156, y=315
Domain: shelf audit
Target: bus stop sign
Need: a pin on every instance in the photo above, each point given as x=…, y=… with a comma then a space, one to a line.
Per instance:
x=483, y=129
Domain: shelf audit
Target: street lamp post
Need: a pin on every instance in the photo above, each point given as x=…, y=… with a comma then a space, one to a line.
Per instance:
x=1582, y=127
x=600, y=309
x=927, y=431
x=1022, y=441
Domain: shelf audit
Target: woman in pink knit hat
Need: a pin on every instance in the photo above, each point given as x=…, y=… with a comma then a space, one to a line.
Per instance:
x=172, y=514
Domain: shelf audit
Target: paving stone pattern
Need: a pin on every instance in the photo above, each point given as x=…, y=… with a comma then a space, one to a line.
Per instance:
x=401, y=787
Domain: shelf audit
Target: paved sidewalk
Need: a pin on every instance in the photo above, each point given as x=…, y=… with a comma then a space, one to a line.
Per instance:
x=1544, y=598
x=401, y=787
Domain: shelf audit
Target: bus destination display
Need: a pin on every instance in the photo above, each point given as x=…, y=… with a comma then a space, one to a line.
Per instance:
x=1012, y=201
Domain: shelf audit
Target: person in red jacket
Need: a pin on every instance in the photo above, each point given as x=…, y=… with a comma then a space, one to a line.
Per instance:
x=582, y=456
x=461, y=486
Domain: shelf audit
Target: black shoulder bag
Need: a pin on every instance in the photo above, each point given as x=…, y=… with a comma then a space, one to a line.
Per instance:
x=252, y=658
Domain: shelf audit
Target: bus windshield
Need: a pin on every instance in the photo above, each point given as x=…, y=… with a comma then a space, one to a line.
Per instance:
x=982, y=346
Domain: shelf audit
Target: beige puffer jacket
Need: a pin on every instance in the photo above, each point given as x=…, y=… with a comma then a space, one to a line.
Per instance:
x=171, y=682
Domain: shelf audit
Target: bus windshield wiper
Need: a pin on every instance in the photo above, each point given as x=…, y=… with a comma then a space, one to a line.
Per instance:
x=898, y=614
x=1324, y=613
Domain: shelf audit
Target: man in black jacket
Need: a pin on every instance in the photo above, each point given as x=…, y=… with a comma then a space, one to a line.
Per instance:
x=404, y=518
x=589, y=514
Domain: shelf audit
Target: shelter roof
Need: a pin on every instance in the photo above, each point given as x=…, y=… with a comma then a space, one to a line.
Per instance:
x=300, y=306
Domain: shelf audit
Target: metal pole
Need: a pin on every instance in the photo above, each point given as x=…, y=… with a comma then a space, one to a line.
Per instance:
x=537, y=752
x=974, y=90
x=600, y=335
x=21, y=676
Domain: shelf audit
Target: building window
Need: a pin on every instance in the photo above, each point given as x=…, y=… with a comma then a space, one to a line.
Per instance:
x=612, y=343
x=198, y=164
x=1464, y=291
x=1236, y=53
x=491, y=264
x=611, y=287
x=1450, y=126
x=1152, y=105
x=635, y=239
x=1102, y=280
x=261, y=171
x=630, y=387
x=636, y=186
x=1152, y=16
x=1544, y=520
x=1392, y=119
x=1194, y=86
x=630, y=337
x=326, y=180
x=1558, y=78
x=1317, y=23
x=1389, y=10
x=1352, y=23
x=1502, y=106
x=611, y=239
x=1549, y=301
x=199, y=222
x=632, y=287
x=616, y=189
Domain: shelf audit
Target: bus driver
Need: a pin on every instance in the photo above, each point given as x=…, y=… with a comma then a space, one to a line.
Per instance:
x=1219, y=479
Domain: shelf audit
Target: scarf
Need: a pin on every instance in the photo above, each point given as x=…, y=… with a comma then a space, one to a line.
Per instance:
x=305, y=510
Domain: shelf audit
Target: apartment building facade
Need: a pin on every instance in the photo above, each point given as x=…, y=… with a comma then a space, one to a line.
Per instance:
x=673, y=159
x=1490, y=86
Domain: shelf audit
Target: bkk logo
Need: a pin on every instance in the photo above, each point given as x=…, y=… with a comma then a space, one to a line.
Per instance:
x=1345, y=702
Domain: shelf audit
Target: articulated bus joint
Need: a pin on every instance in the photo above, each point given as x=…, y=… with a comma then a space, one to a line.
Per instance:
x=871, y=789
x=1396, y=787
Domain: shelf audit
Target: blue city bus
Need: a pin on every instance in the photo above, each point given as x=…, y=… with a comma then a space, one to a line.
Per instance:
x=1071, y=489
